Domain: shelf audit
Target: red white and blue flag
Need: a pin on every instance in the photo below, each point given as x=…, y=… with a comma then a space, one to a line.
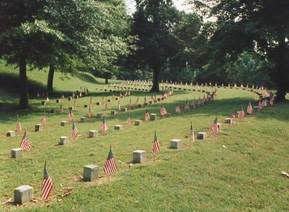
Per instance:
x=110, y=166
x=156, y=147
x=25, y=143
x=47, y=184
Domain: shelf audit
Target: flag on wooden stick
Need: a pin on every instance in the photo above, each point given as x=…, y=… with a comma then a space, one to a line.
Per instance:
x=18, y=125
x=129, y=120
x=192, y=133
x=250, y=109
x=110, y=166
x=74, y=132
x=156, y=145
x=163, y=111
x=147, y=116
x=70, y=115
x=103, y=126
x=215, y=127
x=47, y=184
x=25, y=143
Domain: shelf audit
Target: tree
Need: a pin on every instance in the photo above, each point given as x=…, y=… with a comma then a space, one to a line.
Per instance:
x=153, y=25
x=256, y=25
x=24, y=36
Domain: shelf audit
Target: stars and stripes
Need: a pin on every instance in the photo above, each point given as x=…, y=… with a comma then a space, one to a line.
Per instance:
x=47, y=184
x=70, y=116
x=74, y=132
x=250, y=109
x=156, y=147
x=25, y=143
x=129, y=120
x=18, y=125
x=147, y=116
x=104, y=126
x=178, y=109
x=163, y=111
x=215, y=128
x=110, y=166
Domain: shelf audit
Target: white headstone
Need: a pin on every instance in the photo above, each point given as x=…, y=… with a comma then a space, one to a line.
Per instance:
x=90, y=172
x=138, y=156
x=23, y=194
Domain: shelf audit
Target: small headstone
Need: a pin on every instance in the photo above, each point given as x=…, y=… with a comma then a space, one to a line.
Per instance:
x=124, y=109
x=92, y=133
x=201, y=135
x=117, y=127
x=16, y=153
x=63, y=140
x=38, y=128
x=137, y=122
x=229, y=121
x=153, y=116
x=43, y=102
x=98, y=103
x=63, y=123
x=23, y=194
x=176, y=143
x=69, y=98
x=138, y=156
x=113, y=112
x=82, y=119
x=90, y=173
x=10, y=133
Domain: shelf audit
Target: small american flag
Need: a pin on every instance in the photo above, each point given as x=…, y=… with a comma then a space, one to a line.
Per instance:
x=192, y=133
x=74, y=132
x=47, y=184
x=103, y=126
x=25, y=143
x=250, y=109
x=43, y=120
x=163, y=111
x=178, y=109
x=215, y=127
x=147, y=116
x=129, y=120
x=18, y=125
x=156, y=148
x=110, y=166
x=89, y=111
x=70, y=116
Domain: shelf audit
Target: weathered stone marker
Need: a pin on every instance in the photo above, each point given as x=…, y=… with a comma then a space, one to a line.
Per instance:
x=201, y=135
x=38, y=128
x=138, y=156
x=23, y=194
x=82, y=119
x=16, y=153
x=63, y=123
x=153, y=116
x=92, y=133
x=137, y=122
x=176, y=143
x=118, y=127
x=229, y=121
x=10, y=133
x=90, y=173
x=63, y=140
x=113, y=112
x=124, y=109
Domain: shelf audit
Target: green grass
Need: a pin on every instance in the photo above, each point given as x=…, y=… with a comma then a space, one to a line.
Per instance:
x=236, y=171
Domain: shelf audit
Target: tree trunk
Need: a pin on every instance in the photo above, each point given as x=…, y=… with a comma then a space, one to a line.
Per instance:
x=50, y=80
x=23, y=102
x=281, y=77
x=156, y=80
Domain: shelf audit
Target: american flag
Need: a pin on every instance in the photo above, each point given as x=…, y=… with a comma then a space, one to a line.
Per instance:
x=110, y=166
x=178, y=109
x=89, y=111
x=250, y=109
x=192, y=133
x=74, y=132
x=129, y=120
x=156, y=148
x=18, y=125
x=260, y=106
x=104, y=126
x=147, y=116
x=47, y=184
x=163, y=111
x=70, y=116
x=215, y=127
x=25, y=143
x=43, y=120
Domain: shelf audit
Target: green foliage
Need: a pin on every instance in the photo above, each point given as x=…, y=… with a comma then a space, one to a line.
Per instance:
x=249, y=68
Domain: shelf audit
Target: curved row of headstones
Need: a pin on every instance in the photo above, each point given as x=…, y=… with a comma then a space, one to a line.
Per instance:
x=90, y=172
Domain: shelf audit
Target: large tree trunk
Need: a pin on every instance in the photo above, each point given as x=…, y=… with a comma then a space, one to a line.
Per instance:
x=23, y=102
x=156, y=80
x=50, y=80
x=281, y=76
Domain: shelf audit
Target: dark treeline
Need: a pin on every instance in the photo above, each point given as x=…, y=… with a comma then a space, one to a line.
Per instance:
x=246, y=42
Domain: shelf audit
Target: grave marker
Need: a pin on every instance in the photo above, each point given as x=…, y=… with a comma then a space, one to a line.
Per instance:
x=23, y=194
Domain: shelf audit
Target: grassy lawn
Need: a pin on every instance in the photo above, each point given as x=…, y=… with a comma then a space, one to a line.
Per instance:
x=238, y=170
